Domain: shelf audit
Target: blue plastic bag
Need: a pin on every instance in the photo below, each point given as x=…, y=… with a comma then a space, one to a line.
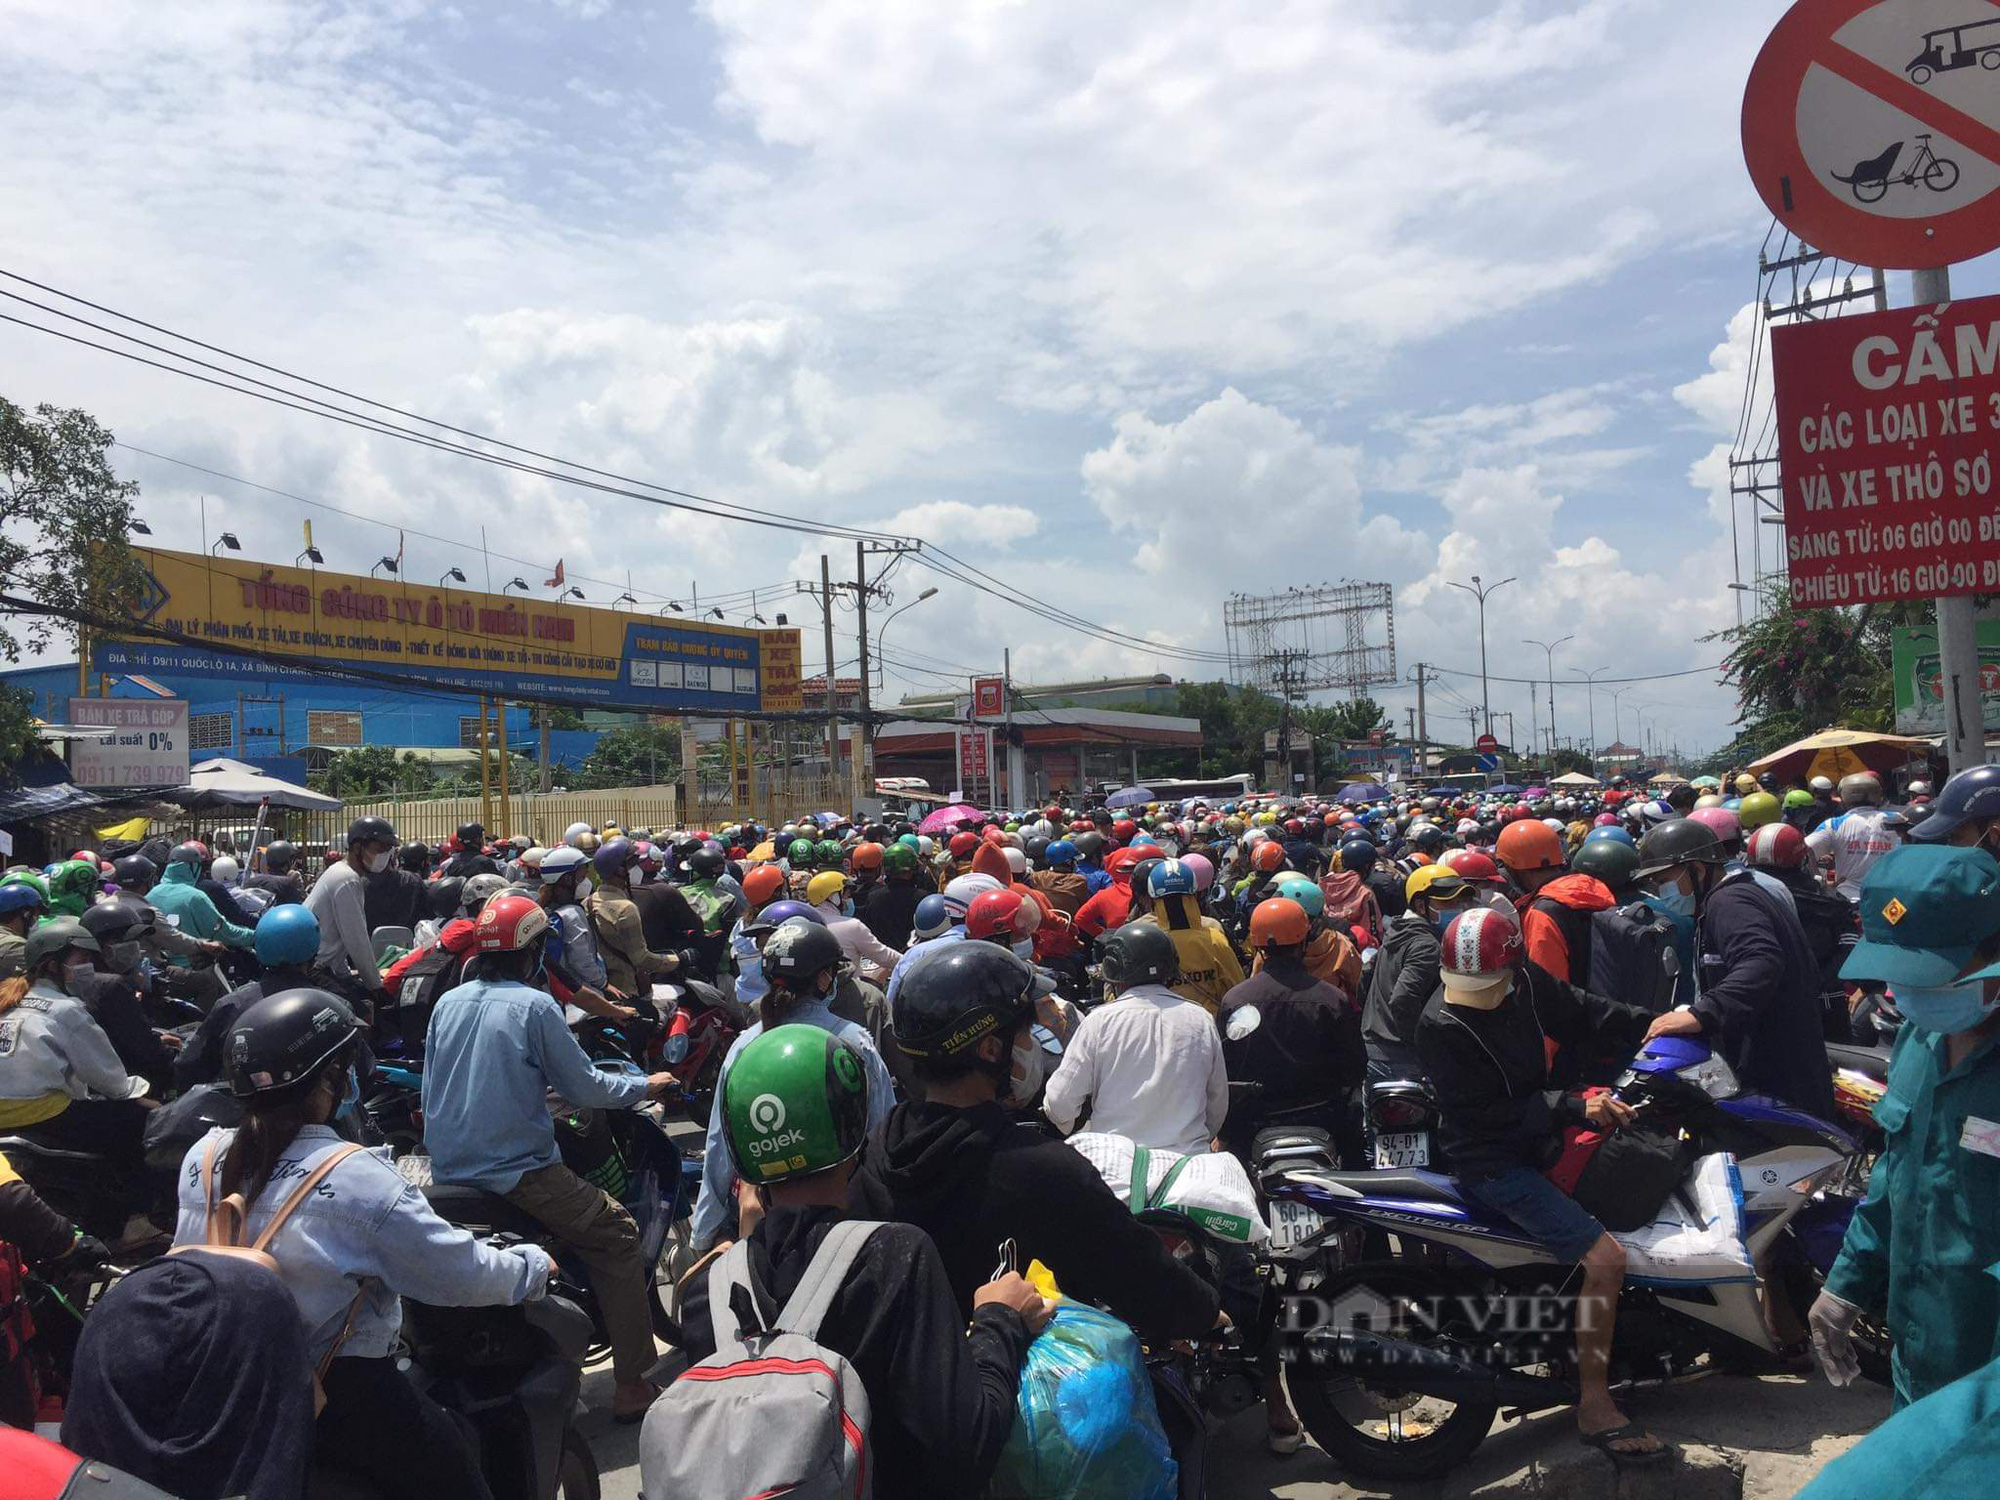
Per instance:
x=1085, y=1427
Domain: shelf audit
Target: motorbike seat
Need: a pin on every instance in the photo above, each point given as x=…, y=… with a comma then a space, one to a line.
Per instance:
x=1279, y=1145
x=1427, y=1187
x=475, y=1208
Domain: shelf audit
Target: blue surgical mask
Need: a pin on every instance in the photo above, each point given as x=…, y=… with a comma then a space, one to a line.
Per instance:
x=1674, y=901
x=1944, y=1009
x=351, y=1097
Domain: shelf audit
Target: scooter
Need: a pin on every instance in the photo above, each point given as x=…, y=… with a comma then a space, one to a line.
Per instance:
x=1410, y=1354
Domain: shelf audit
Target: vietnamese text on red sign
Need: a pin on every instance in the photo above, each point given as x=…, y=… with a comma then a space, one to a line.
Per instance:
x=1889, y=436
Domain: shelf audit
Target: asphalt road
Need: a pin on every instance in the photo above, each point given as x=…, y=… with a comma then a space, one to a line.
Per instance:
x=1785, y=1427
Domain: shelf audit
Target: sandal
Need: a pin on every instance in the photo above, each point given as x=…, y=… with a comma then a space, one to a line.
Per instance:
x=1624, y=1432
x=1278, y=1440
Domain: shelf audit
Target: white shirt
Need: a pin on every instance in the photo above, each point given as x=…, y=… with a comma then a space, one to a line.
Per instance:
x=1855, y=840
x=875, y=958
x=337, y=900
x=1150, y=1066
x=50, y=1045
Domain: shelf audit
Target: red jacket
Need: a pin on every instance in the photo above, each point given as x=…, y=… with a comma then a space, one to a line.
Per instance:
x=1543, y=930
x=1109, y=908
x=456, y=938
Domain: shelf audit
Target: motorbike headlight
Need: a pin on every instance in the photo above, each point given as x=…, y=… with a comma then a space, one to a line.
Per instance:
x=1712, y=1076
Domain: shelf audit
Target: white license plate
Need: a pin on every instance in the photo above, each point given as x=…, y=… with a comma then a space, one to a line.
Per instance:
x=1405, y=1148
x=1293, y=1223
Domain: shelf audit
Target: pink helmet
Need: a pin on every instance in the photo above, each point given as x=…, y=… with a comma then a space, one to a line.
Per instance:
x=1204, y=870
x=1722, y=820
x=1606, y=820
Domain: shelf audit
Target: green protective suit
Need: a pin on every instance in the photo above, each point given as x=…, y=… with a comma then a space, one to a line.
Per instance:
x=1946, y=1444
x=1925, y=1242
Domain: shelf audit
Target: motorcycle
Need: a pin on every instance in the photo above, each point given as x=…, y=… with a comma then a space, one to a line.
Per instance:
x=1410, y=1354
x=1402, y=1117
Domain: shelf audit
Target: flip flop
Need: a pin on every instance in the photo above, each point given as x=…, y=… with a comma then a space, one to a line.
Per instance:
x=1602, y=1442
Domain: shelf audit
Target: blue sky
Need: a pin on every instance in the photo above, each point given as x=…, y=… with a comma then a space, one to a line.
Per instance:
x=1137, y=306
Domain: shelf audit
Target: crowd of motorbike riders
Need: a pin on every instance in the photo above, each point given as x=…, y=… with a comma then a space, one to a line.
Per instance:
x=889, y=994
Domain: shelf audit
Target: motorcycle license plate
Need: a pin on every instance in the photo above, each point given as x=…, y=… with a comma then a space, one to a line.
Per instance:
x=1403, y=1148
x=1293, y=1223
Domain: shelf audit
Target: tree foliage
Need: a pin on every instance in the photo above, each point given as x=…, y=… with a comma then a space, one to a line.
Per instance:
x=374, y=771
x=643, y=755
x=65, y=522
x=17, y=728
x=1566, y=759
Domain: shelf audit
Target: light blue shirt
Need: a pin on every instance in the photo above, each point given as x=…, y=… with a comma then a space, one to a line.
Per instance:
x=718, y=1172
x=494, y=1051
x=751, y=985
x=954, y=934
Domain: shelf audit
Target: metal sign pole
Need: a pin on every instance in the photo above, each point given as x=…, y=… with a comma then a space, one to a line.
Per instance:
x=1957, y=624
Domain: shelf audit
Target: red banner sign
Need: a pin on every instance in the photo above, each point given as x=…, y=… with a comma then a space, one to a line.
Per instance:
x=1888, y=438
x=989, y=698
x=972, y=759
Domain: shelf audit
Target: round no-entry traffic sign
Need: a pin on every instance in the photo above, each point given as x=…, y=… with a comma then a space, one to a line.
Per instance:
x=1872, y=128
x=1486, y=743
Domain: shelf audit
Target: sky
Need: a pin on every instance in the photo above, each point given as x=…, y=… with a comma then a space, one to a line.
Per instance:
x=1134, y=307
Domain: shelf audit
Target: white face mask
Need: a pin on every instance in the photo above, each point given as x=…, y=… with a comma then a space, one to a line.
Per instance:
x=1025, y=948
x=380, y=862
x=1029, y=1066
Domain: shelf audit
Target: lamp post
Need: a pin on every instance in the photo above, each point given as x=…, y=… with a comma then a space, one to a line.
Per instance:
x=1590, y=696
x=1616, y=733
x=882, y=635
x=227, y=539
x=451, y=575
x=1550, y=648
x=382, y=562
x=1479, y=591
x=570, y=593
x=515, y=583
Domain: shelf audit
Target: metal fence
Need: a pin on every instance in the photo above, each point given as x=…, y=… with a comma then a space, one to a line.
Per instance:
x=542, y=818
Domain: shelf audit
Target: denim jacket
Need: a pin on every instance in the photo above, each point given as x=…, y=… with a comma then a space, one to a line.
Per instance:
x=363, y=1229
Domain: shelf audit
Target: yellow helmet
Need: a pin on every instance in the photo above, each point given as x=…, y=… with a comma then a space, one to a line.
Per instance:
x=1425, y=876
x=1757, y=809
x=825, y=886
x=1745, y=784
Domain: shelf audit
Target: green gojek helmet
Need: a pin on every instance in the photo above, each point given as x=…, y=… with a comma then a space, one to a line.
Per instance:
x=799, y=853
x=72, y=886
x=827, y=854
x=795, y=1102
x=899, y=858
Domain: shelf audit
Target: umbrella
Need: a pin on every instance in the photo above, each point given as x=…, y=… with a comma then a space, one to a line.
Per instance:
x=1130, y=796
x=1360, y=791
x=1706, y=781
x=1840, y=752
x=1505, y=789
x=1536, y=791
x=766, y=850
x=945, y=819
x=216, y=784
x=1575, y=778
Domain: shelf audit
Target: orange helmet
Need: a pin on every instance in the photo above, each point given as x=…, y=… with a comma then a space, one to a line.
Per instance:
x=1268, y=855
x=867, y=857
x=762, y=882
x=1530, y=844
x=1279, y=920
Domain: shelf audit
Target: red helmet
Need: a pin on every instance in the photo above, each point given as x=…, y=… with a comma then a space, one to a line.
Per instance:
x=1080, y=825
x=1294, y=825
x=997, y=915
x=992, y=835
x=962, y=844
x=1268, y=855
x=867, y=856
x=508, y=924
x=1471, y=865
x=762, y=883
x=1124, y=830
x=1776, y=846
x=1480, y=946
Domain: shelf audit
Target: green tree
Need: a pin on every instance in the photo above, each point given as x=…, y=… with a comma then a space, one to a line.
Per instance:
x=374, y=771
x=1570, y=760
x=643, y=755
x=65, y=523
x=17, y=728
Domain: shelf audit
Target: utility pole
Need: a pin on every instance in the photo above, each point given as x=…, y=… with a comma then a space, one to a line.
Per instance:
x=1285, y=674
x=832, y=697
x=865, y=772
x=1957, y=622
x=1550, y=648
x=1479, y=591
x=1423, y=725
x=1590, y=697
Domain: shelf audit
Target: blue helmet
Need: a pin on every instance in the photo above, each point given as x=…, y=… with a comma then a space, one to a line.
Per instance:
x=1060, y=852
x=1972, y=795
x=932, y=917
x=19, y=896
x=1357, y=855
x=287, y=934
x=1170, y=878
x=1610, y=831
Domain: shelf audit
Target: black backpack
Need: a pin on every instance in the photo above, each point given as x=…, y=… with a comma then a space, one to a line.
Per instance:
x=1632, y=957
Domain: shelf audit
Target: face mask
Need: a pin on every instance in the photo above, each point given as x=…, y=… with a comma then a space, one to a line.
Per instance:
x=584, y=886
x=1025, y=948
x=121, y=957
x=379, y=862
x=1674, y=899
x=72, y=974
x=847, y=908
x=1944, y=1009
x=1028, y=1066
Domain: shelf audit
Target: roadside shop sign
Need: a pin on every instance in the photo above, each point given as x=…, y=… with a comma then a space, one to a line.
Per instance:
x=1888, y=439
x=974, y=756
x=145, y=742
x=1919, y=678
x=989, y=697
x=1871, y=128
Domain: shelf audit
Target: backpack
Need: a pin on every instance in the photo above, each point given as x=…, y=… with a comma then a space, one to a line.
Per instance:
x=223, y=1235
x=1632, y=957
x=772, y=1411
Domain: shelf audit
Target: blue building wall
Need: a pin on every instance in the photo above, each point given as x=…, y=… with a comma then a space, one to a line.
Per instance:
x=389, y=716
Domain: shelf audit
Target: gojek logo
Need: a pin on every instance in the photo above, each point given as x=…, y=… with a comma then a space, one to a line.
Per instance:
x=773, y=1148
x=767, y=1114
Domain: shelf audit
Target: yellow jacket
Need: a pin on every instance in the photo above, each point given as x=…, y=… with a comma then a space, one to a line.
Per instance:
x=1210, y=968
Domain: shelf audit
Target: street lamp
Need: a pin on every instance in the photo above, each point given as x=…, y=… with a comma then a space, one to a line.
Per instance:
x=452, y=575
x=1550, y=648
x=1590, y=695
x=1615, y=696
x=384, y=562
x=141, y=527
x=625, y=599
x=882, y=634
x=571, y=593
x=515, y=583
x=227, y=539
x=1479, y=591
x=313, y=552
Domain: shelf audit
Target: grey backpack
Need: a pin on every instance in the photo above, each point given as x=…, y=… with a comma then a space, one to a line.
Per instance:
x=772, y=1411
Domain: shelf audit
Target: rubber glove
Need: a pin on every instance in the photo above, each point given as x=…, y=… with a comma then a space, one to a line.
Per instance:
x=1832, y=1324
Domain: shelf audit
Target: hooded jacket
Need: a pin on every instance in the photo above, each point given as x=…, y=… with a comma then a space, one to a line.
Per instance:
x=973, y=1178
x=1404, y=978
x=193, y=912
x=1110, y=907
x=1330, y=958
x=1210, y=968
x=1065, y=888
x=987, y=859
x=1555, y=924
x=890, y=910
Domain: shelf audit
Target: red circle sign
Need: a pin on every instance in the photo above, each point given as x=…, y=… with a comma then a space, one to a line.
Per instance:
x=1486, y=744
x=1872, y=128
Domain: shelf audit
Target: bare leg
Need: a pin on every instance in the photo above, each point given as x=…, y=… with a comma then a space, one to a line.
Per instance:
x=1596, y=1313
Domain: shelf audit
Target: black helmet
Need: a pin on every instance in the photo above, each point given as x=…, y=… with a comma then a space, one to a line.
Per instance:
x=287, y=1038
x=470, y=837
x=279, y=856
x=1678, y=841
x=416, y=858
x=54, y=937
x=1971, y=796
x=444, y=897
x=1037, y=851
x=1089, y=844
x=705, y=863
x=135, y=872
x=1428, y=837
x=1768, y=781
x=952, y=997
x=121, y=919
x=370, y=831
x=188, y=854
x=1612, y=861
x=798, y=950
x=1140, y=953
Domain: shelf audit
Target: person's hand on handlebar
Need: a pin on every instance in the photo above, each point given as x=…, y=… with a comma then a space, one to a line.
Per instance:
x=1607, y=1113
x=660, y=1085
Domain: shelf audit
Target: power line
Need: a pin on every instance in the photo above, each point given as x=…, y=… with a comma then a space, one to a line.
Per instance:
x=1600, y=682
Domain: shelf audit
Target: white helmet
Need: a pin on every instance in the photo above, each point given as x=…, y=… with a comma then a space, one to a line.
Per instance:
x=560, y=862
x=1017, y=861
x=224, y=869
x=1822, y=784
x=575, y=832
